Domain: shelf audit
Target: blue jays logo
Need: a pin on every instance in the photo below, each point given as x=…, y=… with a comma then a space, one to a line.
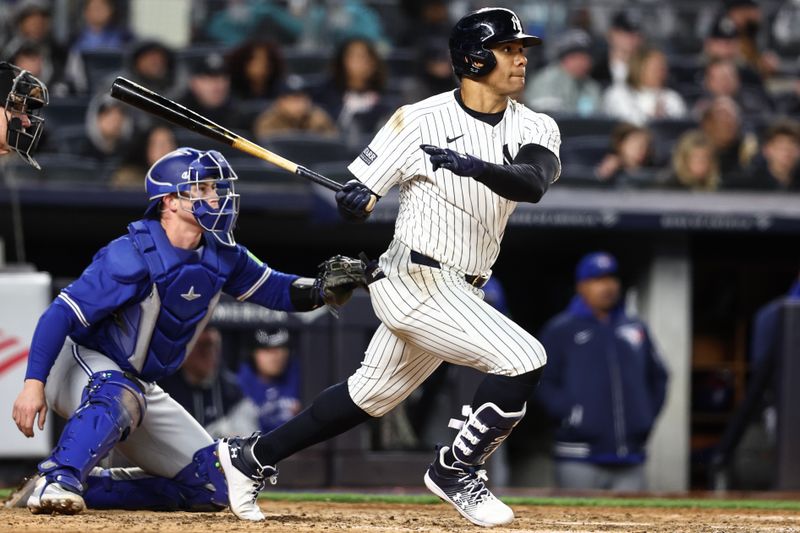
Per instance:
x=631, y=333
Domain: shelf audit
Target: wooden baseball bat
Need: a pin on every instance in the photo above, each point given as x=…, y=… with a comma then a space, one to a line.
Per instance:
x=140, y=97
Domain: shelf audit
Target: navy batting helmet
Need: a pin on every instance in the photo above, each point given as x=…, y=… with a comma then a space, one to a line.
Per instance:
x=477, y=31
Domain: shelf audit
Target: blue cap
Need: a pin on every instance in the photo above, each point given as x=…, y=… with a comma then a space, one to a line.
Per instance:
x=595, y=265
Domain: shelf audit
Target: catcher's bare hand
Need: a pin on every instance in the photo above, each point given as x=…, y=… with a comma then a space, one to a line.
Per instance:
x=28, y=405
x=338, y=277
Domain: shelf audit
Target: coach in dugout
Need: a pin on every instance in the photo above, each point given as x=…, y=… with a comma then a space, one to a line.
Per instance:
x=604, y=384
x=23, y=96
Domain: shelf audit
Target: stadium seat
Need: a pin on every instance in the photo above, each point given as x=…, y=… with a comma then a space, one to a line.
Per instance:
x=100, y=65
x=574, y=126
x=575, y=175
x=306, y=62
x=58, y=168
x=65, y=112
x=251, y=170
x=666, y=133
x=67, y=139
x=335, y=170
x=586, y=150
x=308, y=149
x=402, y=62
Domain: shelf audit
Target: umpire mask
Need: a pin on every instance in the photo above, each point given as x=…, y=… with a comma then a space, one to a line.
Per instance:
x=25, y=97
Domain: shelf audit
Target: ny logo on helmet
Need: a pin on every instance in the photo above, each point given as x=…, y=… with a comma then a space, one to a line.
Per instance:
x=516, y=23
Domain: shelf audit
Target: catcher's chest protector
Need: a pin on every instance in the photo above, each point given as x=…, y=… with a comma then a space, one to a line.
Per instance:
x=186, y=290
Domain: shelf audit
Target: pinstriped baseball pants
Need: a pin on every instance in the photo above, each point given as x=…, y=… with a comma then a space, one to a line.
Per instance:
x=429, y=315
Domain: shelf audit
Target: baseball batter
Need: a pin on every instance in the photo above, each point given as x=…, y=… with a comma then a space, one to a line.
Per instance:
x=462, y=161
x=130, y=319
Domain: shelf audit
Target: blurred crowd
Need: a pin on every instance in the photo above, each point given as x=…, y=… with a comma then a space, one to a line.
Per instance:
x=699, y=96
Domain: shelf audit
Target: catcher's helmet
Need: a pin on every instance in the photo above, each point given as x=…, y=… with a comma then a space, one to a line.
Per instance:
x=477, y=31
x=180, y=170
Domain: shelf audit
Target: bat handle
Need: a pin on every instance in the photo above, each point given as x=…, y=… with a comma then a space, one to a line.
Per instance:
x=330, y=184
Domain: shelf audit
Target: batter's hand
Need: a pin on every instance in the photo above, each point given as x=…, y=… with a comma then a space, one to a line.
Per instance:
x=353, y=200
x=29, y=403
x=457, y=163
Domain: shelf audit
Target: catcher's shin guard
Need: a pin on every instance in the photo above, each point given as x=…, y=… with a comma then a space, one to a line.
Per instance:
x=482, y=432
x=113, y=406
x=200, y=486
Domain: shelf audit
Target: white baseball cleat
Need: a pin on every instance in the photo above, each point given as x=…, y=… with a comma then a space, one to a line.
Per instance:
x=245, y=477
x=53, y=497
x=463, y=486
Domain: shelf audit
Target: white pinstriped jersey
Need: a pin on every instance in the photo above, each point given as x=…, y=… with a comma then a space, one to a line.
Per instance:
x=453, y=219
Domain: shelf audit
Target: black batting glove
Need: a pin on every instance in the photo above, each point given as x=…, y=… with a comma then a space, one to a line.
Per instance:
x=457, y=163
x=352, y=200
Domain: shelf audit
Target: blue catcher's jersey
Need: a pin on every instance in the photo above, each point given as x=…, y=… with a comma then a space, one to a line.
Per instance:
x=142, y=302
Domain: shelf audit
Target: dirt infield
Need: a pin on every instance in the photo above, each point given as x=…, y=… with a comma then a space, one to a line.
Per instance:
x=296, y=517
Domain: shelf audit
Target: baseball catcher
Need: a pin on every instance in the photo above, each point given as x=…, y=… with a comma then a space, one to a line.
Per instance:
x=130, y=319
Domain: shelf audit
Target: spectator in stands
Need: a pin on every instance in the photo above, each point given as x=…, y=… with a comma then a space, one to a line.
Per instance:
x=203, y=386
x=645, y=96
x=721, y=122
x=604, y=383
x=423, y=19
x=210, y=92
x=147, y=148
x=270, y=378
x=257, y=70
x=329, y=23
x=101, y=28
x=241, y=20
x=778, y=166
x=154, y=65
x=722, y=79
x=109, y=129
x=722, y=42
x=747, y=16
x=293, y=111
x=694, y=164
x=624, y=39
x=32, y=29
x=435, y=73
x=631, y=154
x=565, y=86
x=354, y=95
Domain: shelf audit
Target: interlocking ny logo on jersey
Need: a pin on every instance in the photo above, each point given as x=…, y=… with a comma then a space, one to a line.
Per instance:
x=368, y=156
x=191, y=295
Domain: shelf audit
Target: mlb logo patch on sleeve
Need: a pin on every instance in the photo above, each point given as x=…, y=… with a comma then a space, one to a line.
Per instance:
x=368, y=156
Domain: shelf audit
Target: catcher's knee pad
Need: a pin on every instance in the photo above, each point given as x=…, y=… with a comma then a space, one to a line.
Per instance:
x=113, y=405
x=482, y=432
x=201, y=484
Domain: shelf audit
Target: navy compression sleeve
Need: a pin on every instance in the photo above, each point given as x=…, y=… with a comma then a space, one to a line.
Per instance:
x=527, y=178
x=48, y=338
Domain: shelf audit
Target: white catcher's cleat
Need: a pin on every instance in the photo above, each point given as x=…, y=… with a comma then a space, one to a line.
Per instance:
x=245, y=477
x=53, y=497
x=463, y=487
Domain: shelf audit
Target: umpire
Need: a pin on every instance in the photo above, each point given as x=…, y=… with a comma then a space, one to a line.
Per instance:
x=604, y=384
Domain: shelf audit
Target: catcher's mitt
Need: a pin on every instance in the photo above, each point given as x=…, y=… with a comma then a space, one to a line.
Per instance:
x=338, y=277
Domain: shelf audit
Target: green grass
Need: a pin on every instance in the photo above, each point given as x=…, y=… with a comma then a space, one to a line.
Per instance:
x=787, y=505
x=685, y=503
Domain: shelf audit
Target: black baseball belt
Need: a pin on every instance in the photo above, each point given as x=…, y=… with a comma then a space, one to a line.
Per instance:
x=420, y=259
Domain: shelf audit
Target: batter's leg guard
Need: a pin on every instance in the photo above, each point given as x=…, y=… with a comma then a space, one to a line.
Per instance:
x=200, y=486
x=482, y=432
x=113, y=405
x=458, y=478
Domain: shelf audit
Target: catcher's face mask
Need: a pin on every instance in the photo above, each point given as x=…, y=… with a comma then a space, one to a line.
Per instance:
x=25, y=97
